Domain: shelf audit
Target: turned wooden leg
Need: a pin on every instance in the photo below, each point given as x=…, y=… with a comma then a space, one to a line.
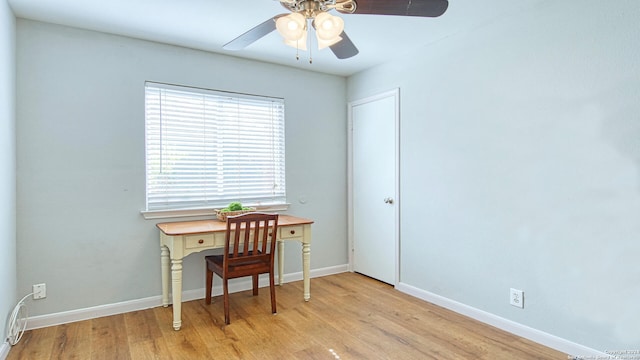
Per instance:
x=280, y=262
x=306, y=270
x=176, y=292
x=166, y=268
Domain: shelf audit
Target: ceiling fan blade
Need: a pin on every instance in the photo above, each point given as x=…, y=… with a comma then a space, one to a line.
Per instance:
x=424, y=8
x=252, y=35
x=344, y=48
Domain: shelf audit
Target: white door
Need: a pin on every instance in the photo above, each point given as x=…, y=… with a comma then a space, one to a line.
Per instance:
x=373, y=186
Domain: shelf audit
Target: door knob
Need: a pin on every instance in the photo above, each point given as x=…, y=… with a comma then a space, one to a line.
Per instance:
x=388, y=200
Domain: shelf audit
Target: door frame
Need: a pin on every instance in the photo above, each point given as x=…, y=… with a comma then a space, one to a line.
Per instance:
x=395, y=94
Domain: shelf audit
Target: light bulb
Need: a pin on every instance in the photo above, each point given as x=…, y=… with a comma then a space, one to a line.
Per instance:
x=292, y=26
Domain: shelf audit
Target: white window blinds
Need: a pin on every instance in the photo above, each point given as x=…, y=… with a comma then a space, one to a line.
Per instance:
x=205, y=148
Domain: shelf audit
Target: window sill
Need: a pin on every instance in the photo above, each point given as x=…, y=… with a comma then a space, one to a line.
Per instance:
x=166, y=214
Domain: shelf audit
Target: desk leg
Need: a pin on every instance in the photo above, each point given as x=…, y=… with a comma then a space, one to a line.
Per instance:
x=176, y=287
x=306, y=259
x=164, y=264
x=280, y=262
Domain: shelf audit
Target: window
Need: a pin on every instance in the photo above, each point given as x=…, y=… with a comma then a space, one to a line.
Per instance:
x=205, y=148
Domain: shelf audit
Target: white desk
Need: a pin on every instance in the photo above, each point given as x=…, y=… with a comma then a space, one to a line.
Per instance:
x=180, y=239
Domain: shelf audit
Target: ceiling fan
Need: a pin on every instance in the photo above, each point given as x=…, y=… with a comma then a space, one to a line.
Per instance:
x=329, y=29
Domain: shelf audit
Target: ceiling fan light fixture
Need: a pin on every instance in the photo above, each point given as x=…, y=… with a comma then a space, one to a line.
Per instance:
x=328, y=27
x=292, y=27
x=300, y=44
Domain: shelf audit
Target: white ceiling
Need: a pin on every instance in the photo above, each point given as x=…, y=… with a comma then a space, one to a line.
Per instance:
x=209, y=24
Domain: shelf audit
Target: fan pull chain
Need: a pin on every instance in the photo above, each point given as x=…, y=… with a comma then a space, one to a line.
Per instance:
x=310, y=49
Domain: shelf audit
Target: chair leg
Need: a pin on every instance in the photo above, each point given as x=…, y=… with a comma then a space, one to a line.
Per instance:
x=225, y=285
x=255, y=285
x=272, y=288
x=208, y=286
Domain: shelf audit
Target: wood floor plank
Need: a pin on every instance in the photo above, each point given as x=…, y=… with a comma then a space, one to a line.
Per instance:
x=208, y=320
x=142, y=327
x=150, y=350
x=35, y=344
x=72, y=341
x=350, y=316
x=384, y=323
x=109, y=338
x=327, y=335
x=184, y=344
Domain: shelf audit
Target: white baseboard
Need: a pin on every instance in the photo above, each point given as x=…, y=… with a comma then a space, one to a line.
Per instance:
x=512, y=327
x=65, y=317
x=4, y=350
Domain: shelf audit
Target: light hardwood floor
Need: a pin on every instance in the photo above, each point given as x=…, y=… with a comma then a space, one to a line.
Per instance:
x=349, y=316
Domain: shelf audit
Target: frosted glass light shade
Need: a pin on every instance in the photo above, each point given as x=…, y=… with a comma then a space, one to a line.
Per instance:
x=291, y=27
x=300, y=44
x=328, y=27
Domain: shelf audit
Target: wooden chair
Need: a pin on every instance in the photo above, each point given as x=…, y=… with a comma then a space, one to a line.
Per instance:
x=246, y=253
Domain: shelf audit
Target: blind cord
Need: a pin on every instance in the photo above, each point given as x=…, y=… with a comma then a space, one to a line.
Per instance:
x=18, y=321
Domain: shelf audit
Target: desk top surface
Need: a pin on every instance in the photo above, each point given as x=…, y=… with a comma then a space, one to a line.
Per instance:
x=213, y=225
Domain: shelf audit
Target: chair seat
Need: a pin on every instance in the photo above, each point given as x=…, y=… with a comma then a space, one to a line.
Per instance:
x=240, y=265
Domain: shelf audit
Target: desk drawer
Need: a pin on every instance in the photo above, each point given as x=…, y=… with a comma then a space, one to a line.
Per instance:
x=291, y=232
x=198, y=241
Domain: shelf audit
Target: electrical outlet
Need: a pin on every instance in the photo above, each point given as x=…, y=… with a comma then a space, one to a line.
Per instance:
x=39, y=291
x=516, y=298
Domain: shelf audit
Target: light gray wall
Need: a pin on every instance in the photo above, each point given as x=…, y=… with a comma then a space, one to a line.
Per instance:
x=7, y=165
x=81, y=178
x=520, y=162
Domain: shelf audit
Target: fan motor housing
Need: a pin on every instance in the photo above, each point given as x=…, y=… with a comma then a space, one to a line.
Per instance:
x=311, y=8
